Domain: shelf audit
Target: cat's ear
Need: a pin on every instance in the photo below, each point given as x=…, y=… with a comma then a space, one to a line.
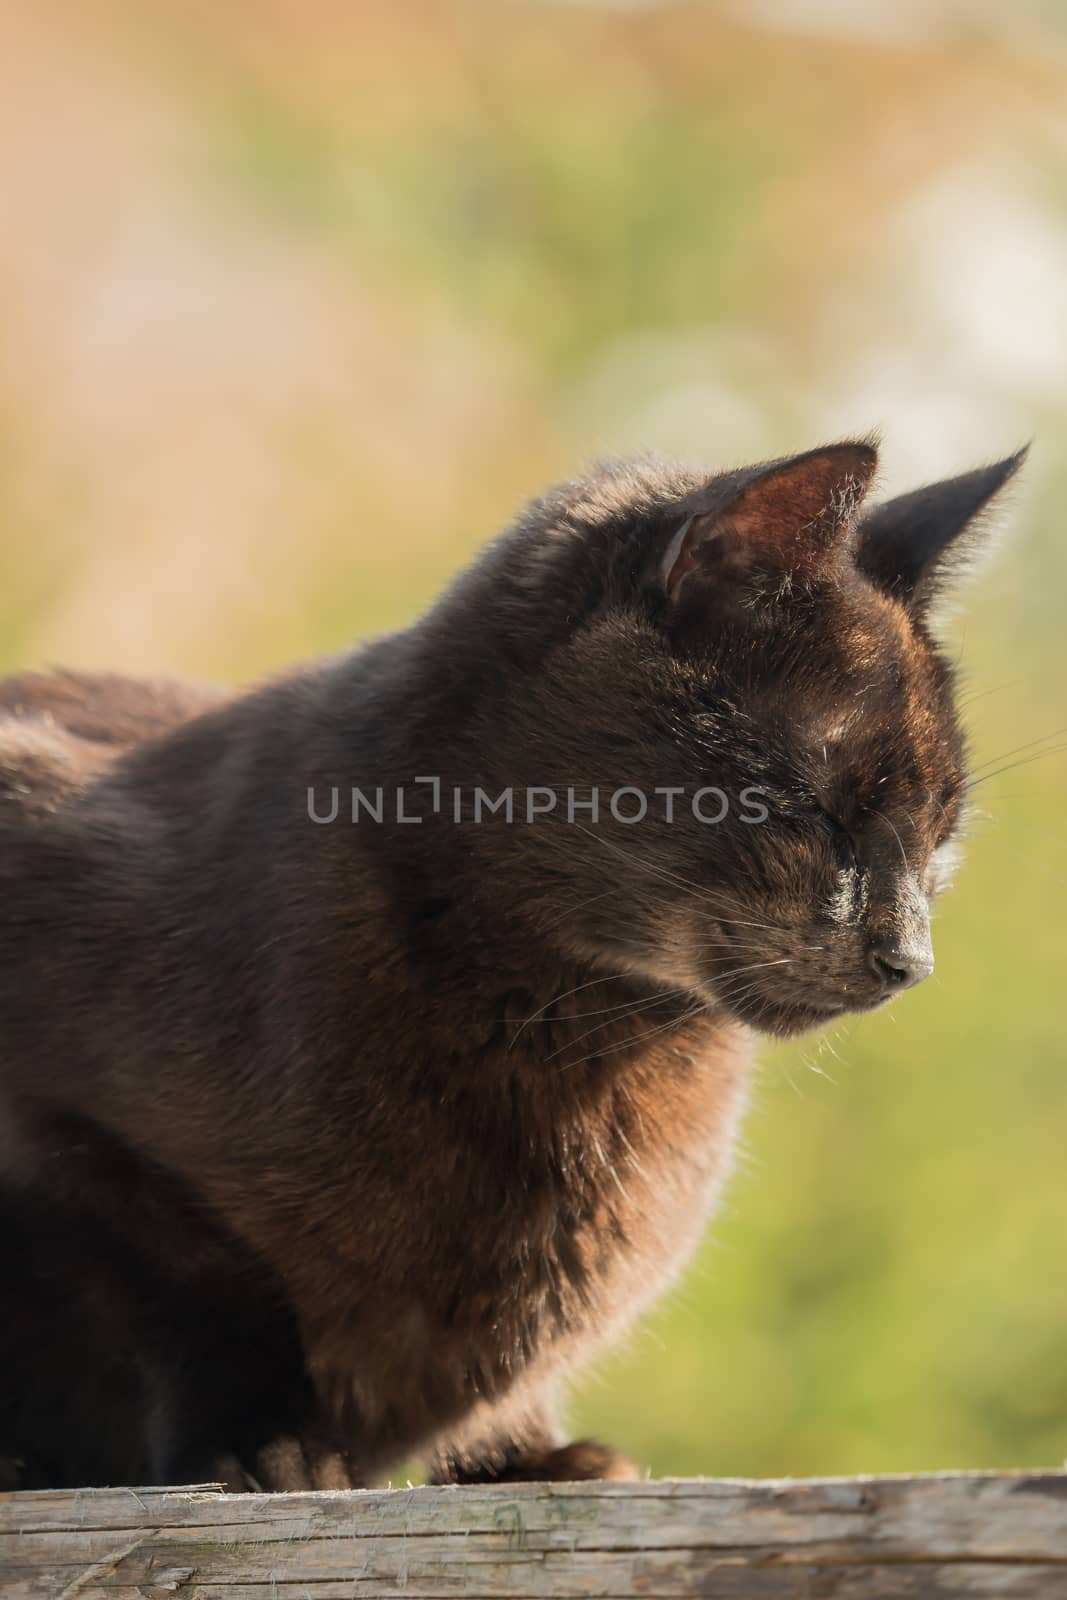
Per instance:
x=772, y=523
x=915, y=546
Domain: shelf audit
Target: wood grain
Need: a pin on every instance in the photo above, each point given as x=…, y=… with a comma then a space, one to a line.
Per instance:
x=1000, y=1534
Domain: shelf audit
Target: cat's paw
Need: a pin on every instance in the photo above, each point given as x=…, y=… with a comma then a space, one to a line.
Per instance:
x=289, y=1463
x=585, y=1460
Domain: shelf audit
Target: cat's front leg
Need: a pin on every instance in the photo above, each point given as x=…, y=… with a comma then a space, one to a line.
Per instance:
x=524, y=1445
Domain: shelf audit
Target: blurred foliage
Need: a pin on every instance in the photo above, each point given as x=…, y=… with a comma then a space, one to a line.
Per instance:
x=298, y=301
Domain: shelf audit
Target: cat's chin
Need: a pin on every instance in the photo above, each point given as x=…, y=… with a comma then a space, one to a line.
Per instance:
x=785, y=1022
x=786, y=1019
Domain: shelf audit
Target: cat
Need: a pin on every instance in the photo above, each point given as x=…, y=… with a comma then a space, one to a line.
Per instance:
x=372, y=1044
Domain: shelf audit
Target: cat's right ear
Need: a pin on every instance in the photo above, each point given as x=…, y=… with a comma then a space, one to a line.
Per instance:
x=915, y=546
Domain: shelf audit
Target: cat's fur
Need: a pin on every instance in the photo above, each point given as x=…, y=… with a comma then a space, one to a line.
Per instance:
x=323, y=1145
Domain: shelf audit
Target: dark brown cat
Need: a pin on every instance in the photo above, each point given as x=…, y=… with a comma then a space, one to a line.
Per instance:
x=372, y=1044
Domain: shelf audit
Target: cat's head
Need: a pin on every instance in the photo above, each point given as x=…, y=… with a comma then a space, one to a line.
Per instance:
x=761, y=639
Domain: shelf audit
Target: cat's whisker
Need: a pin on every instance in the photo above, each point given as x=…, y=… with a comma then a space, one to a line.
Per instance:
x=900, y=843
x=941, y=807
x=729, y=994
x=730, y=1002
x=640, y=1038
x=1021, y=749
x=761, y=927
x=1010, y=766
x=972, y=696
x=646, y=1004
x=734, y=997
x=730, y=944
x=728, y=989
x=812, y=1064
x=611, y=977
x=573, y=910
x=713, y=898
x=634, y=1009
x=755, y=966
x=726, y=913
x=760, y=966
x=660, y=872
x=826, y=1043
x=706, y=944
x=624, y=1006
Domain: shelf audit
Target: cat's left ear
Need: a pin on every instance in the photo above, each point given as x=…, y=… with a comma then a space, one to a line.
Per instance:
x=914, y=547
x=768, y=525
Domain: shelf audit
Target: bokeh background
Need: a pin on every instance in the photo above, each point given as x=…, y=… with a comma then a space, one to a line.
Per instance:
x=299, y=298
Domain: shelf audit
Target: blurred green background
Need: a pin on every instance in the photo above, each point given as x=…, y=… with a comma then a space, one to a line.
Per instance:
x=299, y=298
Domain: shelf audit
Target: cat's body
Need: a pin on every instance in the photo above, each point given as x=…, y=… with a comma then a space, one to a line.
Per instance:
x=539, y=1207
x=322, y=1144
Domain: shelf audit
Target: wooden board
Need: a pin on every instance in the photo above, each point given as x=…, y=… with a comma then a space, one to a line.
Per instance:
x=827, y=1539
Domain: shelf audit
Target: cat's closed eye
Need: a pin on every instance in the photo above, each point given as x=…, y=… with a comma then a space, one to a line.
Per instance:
x=842, y=835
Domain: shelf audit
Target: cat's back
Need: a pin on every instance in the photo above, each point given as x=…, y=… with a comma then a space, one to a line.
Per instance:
x=59, y=730
x=69, y=874
x=137, y=817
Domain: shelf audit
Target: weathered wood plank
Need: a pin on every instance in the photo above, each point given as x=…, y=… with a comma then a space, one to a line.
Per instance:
x=835, y=1539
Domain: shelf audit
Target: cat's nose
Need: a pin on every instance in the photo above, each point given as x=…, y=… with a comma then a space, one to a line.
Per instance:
x=900, y=964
